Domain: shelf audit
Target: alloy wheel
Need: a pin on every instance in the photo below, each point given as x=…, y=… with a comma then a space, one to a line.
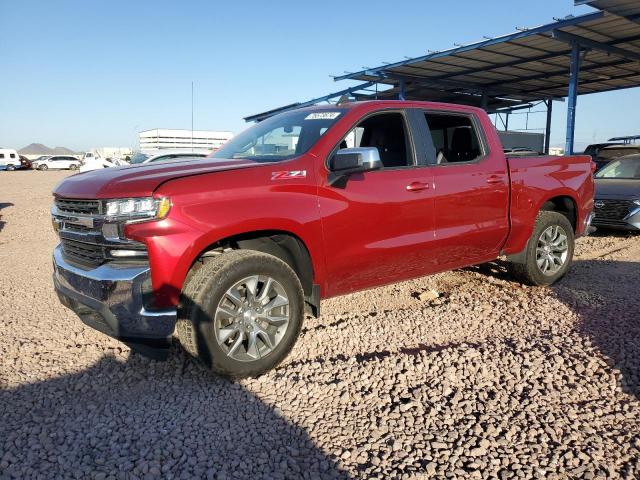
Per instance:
x=552, y=250
x=252, y=318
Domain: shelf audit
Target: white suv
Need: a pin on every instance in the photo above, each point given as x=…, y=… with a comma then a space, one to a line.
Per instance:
x=56, y=162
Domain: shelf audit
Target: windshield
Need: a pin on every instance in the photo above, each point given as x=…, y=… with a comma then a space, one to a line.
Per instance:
x=138, y=157
x=625, y=168
x=280, y=137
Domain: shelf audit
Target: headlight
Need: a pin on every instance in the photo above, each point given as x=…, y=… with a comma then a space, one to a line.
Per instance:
x=138, y=208
x=637, y=202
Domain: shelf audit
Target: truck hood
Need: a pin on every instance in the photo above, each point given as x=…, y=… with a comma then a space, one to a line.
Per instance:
x=618, y=188
x=139, y=180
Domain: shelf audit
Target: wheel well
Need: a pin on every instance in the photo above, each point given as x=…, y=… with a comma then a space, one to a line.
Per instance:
x=564, y=205
x=283, y=245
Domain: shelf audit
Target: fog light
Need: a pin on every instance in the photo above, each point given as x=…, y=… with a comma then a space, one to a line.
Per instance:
x=128, y=253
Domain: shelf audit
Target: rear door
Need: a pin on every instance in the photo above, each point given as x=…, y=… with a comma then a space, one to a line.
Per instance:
x=379, y=226
x=471, y=195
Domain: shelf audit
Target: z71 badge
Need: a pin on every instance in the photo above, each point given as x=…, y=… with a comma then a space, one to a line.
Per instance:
x=285, y=175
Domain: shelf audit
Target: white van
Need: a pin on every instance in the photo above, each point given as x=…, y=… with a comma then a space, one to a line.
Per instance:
x=9, y=159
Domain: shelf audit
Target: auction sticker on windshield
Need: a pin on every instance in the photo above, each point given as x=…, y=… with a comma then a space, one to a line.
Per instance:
x=322, y=116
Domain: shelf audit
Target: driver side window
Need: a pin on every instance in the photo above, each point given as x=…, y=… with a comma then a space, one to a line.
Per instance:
x=388, y=133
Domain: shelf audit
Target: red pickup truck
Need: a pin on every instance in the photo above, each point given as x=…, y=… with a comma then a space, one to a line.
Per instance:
x=227, y=253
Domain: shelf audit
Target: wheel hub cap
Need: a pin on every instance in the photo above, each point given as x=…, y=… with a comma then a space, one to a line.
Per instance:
x=252, y=318
x=552, y=250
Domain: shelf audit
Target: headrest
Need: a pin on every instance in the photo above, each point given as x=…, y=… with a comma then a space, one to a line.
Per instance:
x=461, y=140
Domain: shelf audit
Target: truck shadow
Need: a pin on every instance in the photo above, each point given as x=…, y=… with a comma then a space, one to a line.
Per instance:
x=142, y=418
x=604, y=294
x=4, y=205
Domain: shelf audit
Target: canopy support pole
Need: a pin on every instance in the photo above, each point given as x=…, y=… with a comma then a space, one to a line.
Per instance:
x=572, y=98
x=547, y=133
x=401, y=93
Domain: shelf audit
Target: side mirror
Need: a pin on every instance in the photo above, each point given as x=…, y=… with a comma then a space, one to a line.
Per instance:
x=354, y=160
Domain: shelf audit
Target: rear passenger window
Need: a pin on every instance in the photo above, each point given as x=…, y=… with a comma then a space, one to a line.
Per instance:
x=1, y=155
x=12, y=155
x=455, y=138
x=388, y=133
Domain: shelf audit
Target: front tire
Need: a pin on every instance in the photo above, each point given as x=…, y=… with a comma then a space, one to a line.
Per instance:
x=241, y=313
x=549, y=251
x=11, y=168
x=73, y=166
x=43, y=167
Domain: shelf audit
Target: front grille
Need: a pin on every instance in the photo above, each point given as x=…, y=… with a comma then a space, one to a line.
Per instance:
x=74, y=227
x=83, y=207
x=612, y=211
x=83, y=253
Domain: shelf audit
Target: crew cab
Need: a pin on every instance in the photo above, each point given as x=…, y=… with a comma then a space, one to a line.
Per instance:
x=227, y=253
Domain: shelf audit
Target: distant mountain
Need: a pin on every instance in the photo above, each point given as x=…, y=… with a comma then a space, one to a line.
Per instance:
x=63, y=151
x=40, y=149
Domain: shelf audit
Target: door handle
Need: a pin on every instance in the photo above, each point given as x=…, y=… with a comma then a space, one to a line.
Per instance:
x=495, y=179
x=417, y=186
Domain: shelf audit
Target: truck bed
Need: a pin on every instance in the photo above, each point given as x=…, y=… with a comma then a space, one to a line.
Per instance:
x=531, y=180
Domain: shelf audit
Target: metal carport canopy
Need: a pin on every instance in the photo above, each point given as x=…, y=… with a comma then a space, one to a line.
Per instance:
x=592, y=53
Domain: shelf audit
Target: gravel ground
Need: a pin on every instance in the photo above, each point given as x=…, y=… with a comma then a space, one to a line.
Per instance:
x=459, y=375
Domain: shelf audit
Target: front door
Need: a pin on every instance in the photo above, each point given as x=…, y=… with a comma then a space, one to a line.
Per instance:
x=379, y=226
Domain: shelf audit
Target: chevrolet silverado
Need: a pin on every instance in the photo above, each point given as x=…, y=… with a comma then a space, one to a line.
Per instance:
x=227, y=253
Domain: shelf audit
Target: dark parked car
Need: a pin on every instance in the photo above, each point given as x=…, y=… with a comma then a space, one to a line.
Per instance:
x=593, y=149
x=611, y=152
x=25, y=163
x=617, y=197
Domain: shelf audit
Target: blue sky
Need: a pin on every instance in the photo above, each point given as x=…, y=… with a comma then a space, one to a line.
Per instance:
x=87, y=74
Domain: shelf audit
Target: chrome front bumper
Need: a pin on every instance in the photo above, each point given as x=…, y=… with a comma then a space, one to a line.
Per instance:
x=588, y=228
x=111, y=299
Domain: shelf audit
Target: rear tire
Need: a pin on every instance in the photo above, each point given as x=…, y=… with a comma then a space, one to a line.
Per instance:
x=549, y=251
x=223, y=319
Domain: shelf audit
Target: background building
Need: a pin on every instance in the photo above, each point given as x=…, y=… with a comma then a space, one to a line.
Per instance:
x=197, y=141
x=556, y=150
